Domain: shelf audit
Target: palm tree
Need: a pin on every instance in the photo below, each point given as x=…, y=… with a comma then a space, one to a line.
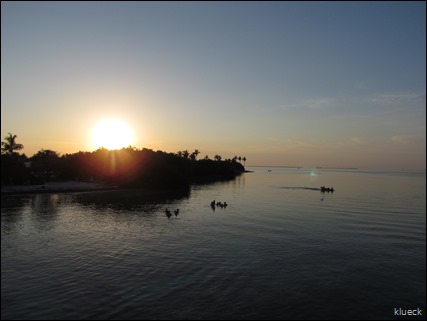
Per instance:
x=10, y=145
x=194, y=154
x=244, y=160
x=217, y=157
x=185, y=154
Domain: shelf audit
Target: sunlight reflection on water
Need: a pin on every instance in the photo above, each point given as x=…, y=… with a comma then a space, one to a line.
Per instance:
x=278, y=250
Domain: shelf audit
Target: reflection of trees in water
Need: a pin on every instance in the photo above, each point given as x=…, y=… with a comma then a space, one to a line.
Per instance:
x=148, y=201
x=44, y=210
x=45, y=205
x=12, y=208
x=239, y=181
x=41, y=209
x=234, y=183
x=219, y=181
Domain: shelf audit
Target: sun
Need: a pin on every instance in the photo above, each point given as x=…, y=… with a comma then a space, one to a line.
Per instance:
x=112, y=134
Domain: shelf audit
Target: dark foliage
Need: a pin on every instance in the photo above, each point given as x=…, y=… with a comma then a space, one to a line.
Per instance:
x=14, y=170
x=128, y=167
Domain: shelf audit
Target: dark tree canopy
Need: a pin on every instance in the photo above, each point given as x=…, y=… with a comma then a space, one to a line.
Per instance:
x=127, y=167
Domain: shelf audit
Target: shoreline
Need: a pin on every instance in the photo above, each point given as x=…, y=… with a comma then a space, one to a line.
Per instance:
x=75, y=187
x=55, y=187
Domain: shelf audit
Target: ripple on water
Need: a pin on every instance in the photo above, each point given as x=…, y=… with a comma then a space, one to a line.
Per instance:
x=270, y=254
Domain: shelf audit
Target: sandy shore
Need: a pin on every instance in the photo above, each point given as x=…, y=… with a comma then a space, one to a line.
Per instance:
x=55, y=187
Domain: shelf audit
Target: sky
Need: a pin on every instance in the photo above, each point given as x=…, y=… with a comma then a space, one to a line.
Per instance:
x=330, y=84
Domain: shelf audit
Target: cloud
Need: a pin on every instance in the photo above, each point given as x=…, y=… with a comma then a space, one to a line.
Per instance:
x=399, y=139
x=319, y=103
x=311, y=103
x=418, y=140
x=359, y=140
x=398, y=99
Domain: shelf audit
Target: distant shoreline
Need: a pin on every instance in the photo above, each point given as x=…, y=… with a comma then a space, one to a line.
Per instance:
x=302, y=167
x=340, y=168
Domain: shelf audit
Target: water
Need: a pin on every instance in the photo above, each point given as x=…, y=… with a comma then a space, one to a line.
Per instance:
x=280, y=250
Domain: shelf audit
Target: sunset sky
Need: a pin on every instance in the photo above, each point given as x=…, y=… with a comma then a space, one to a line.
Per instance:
x=333, y=84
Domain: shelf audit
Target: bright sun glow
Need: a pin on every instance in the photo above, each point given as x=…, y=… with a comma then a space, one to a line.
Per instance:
x=112, y=134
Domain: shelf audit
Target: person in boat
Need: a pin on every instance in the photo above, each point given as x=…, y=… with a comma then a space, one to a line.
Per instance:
x=327, y=189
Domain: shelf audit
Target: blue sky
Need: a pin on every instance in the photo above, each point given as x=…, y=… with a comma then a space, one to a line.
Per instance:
x=282, y=83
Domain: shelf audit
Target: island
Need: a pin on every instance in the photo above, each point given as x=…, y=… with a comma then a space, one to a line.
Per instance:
x=107, y=169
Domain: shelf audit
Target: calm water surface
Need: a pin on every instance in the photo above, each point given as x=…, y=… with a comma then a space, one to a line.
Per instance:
x=278, y=251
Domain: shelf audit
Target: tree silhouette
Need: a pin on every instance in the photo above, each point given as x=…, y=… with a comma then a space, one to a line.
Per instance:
x=45, y=163
x=186, y=154
x=244, y=160
x=217, y=157
x=194, y=154
x=10, y=145
x=13, y=168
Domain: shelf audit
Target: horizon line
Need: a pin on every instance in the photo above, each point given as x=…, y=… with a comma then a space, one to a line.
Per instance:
x=346, y=168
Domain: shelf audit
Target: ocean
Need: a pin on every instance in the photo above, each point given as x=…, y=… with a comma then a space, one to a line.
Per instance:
x=281, y=249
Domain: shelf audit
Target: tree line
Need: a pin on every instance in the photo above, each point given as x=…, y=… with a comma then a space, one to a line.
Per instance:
x=127, y=167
